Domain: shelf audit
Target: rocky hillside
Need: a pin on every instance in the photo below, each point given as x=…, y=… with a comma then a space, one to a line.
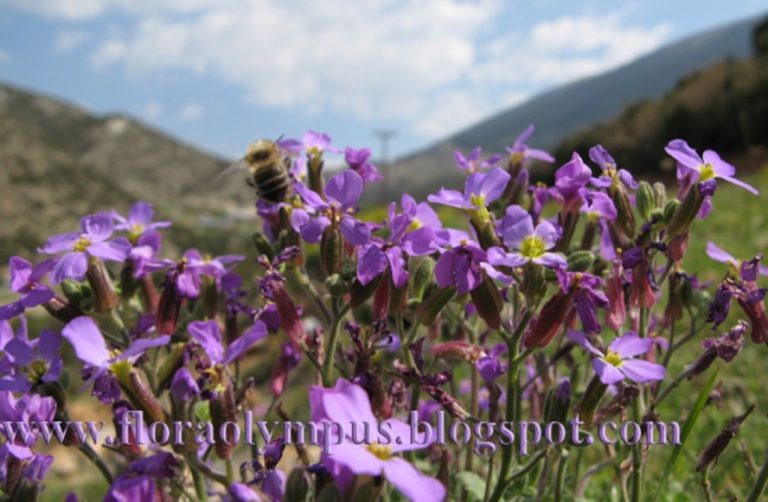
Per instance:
x=57, y=162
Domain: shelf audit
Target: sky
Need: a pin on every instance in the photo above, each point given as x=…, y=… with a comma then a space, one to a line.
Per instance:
x=221, y=73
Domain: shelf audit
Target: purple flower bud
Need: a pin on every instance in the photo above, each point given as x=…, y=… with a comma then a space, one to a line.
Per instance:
x=184, y=387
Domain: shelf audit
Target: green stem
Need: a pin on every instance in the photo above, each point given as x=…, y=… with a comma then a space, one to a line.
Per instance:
x=230, y=471
x=636, y=457
x=200, y=489
x=559, y=483
x=97, y=461
x=333, y=341
x=762, y=477
x=513, y=349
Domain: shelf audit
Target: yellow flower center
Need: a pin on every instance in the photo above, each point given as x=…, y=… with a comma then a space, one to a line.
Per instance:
x=415, y=225
x=706, y=172
x=136, y=231
x=380, y=451
x=516, y=158
x=82, y=244
x=35, y=371
x=613, y=358
x=533, y=247
x=477, y=200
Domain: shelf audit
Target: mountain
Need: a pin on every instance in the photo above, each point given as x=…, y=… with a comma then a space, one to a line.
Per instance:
x=58, y=162
x=564, y=110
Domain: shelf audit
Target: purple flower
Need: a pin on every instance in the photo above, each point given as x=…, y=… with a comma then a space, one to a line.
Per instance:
x=27, y=408
x=32, y=362
x=480, y=190
x=239, y=492
x=611, y=174
x=598, y=205
x=129, y=489
x=139, y=221
x=528, y=243
x=208, y=335
x=752, y=268
x=520, y=151
x=313, y=143
x=343, y=191
x=26, y=280
x=359, y=161
x=90, y=347
x=618, y=362
x=490, y=366
x=183, y=386
x=472, y=163
x=572, y=177
x=411, y=232
x=709, y=166
x=80, y=246
x=462, y=267
x=348, y=405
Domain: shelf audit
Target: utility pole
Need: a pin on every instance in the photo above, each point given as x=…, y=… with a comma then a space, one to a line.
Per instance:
x=385, y=136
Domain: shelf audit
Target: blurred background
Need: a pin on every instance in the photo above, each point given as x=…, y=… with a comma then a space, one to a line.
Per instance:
x=106, y=102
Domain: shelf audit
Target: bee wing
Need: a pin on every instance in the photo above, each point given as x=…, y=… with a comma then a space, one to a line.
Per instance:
x=238, y=165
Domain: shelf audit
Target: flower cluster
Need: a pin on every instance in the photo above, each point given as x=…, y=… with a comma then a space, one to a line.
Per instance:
x=542, y=301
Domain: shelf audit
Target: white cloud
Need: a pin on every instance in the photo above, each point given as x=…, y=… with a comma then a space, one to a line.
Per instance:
x=152, y=110
x=191, y=111
x=568, y=48
x=439, y=64
x=5, y=56
x=67, y=41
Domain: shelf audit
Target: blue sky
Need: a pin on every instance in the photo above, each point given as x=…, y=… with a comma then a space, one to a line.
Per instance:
x=220, y=73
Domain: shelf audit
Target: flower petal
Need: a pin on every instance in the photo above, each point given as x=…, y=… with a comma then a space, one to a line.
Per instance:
x=412, y=483
x=608, y=373
x=372, y=262
x=87, y=341
x=679, y=150
x=641, y=371
x=245, y=341
x=345, y=188
x=630, y=345
x=70, y=266
x=355, y=232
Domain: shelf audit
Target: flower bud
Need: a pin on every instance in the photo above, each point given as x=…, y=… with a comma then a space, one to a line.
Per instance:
x=336, y=285
x=674, y=310
x=423, y=274
x=184, y=387
x=659, y=194
x=168, y=309
x=585, y=409
x=381, y=298
x=74, y=291
x=139, y=394
x=670, y=208
x=617, y=309
x=460, y=350
x=149, y=294
x=262, y=245
x=755, y=310
x=534, y=284
x=645, y=199
x=297, y=485
x=488, y=302
x=549, y=321
x=558, y=402
x=331, y=250
x=104, y=296
x=580, y=261
x=62, y=311
x=290, y=321
x=718, y=445
x=677, y=247
x=685, y=213
x=223, y=409
x=625, y=218
x=433, y=304
x=486, y=232
x=171, y=364
x=360, y=294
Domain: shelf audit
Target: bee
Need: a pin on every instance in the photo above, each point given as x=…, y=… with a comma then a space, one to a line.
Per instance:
x=268, y=165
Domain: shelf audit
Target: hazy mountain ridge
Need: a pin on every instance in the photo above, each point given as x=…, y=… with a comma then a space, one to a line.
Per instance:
x=564, y=110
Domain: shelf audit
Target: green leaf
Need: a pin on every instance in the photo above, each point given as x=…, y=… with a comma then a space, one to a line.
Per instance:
x=472, y=483
x=693, y=417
